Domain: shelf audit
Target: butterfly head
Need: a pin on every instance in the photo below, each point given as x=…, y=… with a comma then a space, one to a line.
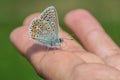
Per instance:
x=61, y=40
x=56, y=42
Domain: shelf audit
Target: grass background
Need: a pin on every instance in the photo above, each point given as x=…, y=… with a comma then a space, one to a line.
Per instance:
x=12, y=13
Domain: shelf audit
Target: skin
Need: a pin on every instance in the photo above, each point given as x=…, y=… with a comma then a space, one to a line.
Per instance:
x=96, y=59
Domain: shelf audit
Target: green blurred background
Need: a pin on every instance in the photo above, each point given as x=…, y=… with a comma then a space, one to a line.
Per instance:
x=12, y=13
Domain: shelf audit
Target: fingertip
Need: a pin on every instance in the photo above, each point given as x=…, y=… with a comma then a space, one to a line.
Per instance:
x=19, y=38
x=81, y=22
x=75, y=16
x=13, y=35
x=30, y=18
x=25, y=22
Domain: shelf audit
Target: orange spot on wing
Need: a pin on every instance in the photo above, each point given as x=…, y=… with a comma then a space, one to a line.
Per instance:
x=33, y=30
x=33, y=36
x=34, y=26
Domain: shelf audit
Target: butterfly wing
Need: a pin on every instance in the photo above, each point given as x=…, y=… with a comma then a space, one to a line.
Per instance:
x=50, y=15
x=44, y=30
x=41, y=32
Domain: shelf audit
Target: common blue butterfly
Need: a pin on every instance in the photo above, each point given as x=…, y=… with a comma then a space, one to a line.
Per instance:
x=44, y=29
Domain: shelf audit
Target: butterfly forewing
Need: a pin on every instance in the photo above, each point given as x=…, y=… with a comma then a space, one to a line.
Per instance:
x=50, y=15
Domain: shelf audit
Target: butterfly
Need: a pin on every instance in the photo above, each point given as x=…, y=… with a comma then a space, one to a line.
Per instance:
x=44, y=29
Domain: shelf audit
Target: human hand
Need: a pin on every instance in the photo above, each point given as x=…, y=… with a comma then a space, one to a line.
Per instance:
x=98, y=60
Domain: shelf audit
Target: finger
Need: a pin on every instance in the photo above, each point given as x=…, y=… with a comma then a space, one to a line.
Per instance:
x=91, y=34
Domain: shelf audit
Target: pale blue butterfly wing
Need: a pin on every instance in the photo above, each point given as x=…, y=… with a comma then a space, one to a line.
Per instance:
x=50, y=15
x=44, y=30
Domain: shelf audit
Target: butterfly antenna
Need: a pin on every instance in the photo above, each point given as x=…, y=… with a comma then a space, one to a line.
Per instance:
x=70, y=38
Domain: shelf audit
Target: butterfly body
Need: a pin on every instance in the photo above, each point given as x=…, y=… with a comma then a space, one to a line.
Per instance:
x=44, y=30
